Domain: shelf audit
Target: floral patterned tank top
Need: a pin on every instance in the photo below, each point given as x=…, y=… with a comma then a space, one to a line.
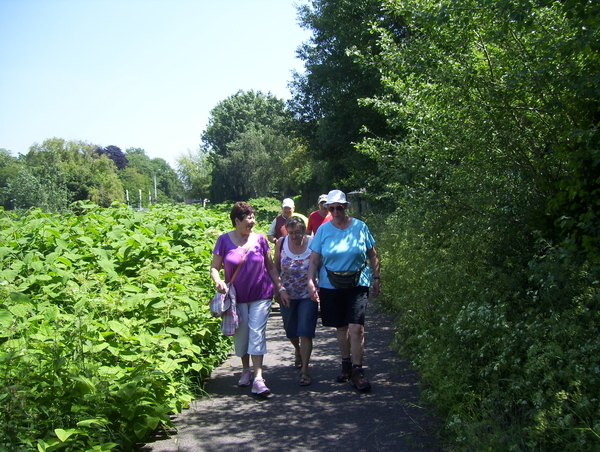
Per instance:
x=294, y=270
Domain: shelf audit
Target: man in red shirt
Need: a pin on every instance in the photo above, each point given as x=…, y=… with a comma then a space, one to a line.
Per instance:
x=318, y=217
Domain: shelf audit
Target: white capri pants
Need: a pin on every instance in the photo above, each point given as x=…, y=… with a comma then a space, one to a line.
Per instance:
x=251, y=334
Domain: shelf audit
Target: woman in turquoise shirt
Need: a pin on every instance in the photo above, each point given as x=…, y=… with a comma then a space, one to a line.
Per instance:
x=341, y=245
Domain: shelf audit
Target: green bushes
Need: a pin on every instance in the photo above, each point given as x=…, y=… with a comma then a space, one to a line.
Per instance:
x=505, y=337
x=266, y=210
x=104, y=324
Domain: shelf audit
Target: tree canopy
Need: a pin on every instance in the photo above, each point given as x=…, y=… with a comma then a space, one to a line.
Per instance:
x=246, y=141
x=325, y=97
x=115, y=154
x=500, y=106
x=58, y=172
x=146, y=174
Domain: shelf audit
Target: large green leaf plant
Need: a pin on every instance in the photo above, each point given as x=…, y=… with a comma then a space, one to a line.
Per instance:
x=104, y=324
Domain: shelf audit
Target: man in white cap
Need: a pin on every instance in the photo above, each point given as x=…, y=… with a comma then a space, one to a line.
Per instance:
x=318, y=217
x=277, y=228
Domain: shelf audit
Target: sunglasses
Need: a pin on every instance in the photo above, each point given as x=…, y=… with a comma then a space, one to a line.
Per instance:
x=338, y=208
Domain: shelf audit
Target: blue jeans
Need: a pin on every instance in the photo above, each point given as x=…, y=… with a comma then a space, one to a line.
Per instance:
x=300, y=319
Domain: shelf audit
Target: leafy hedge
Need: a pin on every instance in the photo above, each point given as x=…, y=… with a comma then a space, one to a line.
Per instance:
x=104, y=324
x=266, y=210
x=503, y=329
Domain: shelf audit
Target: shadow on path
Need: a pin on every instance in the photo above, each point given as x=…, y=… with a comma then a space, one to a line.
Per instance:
x=318, y=417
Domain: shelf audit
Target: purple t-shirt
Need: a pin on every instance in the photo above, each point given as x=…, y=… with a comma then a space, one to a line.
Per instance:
x=252, y=282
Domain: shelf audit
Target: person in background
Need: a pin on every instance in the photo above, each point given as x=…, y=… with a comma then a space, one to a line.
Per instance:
x=318, y=217
x=344, y=244
x=292, y=257
x=277, y=228
x=254, y=283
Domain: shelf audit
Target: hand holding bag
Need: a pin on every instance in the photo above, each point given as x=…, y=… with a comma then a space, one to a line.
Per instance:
x=230, y=320
x=221, y=302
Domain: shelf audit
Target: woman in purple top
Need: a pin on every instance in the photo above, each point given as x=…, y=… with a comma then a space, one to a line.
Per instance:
x=254, y=287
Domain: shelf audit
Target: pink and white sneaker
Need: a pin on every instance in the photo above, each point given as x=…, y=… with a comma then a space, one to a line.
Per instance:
x=259, y=387
x=245, y=378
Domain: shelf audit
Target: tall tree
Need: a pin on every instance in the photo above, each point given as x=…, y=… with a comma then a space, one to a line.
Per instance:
x=246, y=139
x=326, y=97
x=167, y=180
x=30, y=188
x=107, y=187
x=495, y=124
x=500, y=101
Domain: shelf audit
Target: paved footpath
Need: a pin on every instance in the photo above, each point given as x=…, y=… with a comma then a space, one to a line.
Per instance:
x=324, y=416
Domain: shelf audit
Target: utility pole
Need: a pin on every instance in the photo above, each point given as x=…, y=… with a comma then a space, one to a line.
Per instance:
x=154, y=174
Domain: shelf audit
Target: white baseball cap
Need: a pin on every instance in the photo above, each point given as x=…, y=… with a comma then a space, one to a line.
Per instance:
x=288, y=202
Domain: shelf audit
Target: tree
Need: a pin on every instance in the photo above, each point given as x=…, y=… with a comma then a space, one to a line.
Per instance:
x=246, y=140
x=107, y=187
x=167, y=180
x=115, y=154
x=256, y=158
x=133, y=182
x=495, y=240
x=9, y=169
x=66, y=171
x=194, y=170
x=494, y=124
x=28, y=189
x=325, y=98
x=141, y=173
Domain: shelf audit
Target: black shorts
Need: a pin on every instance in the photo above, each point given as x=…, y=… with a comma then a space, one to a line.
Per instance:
x=340, y=307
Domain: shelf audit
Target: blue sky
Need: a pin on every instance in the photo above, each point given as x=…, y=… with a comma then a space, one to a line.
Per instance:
x=135, y=73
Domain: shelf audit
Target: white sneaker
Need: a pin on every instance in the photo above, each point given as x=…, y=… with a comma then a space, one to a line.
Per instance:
x=245, y=378
x=259, y=387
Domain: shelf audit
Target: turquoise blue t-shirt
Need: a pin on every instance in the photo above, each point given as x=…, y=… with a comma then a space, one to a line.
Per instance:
x=343, y=250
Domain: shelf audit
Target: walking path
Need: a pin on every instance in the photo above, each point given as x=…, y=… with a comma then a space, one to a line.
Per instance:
x=324, y=416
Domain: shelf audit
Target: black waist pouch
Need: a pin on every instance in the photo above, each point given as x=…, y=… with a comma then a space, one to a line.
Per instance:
x=345, y=279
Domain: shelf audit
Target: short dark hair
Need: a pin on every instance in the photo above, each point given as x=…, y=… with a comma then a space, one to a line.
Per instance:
x=240, y=211
x=295, y=221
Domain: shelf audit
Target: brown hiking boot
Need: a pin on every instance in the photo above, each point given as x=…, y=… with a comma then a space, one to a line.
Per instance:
x=346, y=372
x=359, y=381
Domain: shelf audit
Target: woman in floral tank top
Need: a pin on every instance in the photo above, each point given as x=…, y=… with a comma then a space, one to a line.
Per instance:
x=292, y=257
